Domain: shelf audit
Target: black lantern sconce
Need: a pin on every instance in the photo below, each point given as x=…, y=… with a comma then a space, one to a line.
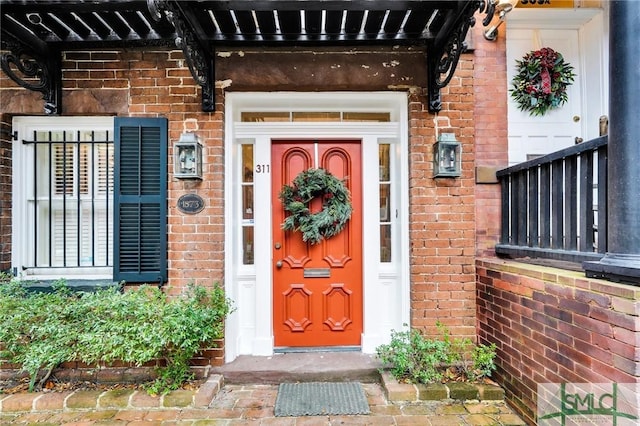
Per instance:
x=447, y=156
x=187, y=155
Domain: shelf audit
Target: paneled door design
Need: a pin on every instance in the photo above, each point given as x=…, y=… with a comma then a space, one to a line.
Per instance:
x=317, y=289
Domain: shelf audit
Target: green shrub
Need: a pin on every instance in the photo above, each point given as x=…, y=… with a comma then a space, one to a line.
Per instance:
x=39, y=331
x=483, y=357
x=414, y=358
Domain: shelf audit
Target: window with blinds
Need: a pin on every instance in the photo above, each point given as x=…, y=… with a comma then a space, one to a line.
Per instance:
x=70, y=198
x=89, y=198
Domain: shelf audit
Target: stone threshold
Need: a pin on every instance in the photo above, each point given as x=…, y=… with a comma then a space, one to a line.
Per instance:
x=111, y=399
x=405, y=392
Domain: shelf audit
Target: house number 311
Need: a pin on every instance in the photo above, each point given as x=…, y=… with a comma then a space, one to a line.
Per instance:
x=262, y=168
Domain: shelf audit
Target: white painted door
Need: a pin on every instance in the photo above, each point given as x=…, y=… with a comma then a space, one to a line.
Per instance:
x=538, y=135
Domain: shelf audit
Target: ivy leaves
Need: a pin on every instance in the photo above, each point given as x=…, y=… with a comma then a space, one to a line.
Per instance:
x=42, y=330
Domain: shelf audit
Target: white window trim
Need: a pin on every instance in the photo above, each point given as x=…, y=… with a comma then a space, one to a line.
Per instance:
x=25, y=126
x=386, y=286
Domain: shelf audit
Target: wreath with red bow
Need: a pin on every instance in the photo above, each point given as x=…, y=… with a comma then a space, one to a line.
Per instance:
x=336, y=205
x=541, y=81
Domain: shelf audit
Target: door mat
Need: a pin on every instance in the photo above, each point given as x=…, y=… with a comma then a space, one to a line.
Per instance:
x=321, y=399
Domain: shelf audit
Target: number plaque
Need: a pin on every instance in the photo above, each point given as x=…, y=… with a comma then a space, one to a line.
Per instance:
x=190, y=203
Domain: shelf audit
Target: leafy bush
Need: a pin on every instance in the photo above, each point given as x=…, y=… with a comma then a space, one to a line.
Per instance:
x=42, y=330
x=414, y=358
x=483, y=357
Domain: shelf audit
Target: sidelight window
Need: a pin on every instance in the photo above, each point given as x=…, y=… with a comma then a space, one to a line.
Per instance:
x=385, y=185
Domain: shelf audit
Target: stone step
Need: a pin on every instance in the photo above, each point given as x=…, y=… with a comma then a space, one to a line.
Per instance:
x=460, y=391
x=301, y=367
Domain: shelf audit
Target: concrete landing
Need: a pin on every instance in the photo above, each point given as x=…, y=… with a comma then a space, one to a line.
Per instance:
x=301, y=367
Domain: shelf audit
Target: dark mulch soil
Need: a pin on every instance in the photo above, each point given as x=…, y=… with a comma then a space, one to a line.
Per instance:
x=54, y=385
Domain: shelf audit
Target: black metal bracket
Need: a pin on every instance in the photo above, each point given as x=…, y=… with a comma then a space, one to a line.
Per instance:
x=200, y=61
x=12, y=135
x=36, y=73
x=442, y=64
x=444, y=56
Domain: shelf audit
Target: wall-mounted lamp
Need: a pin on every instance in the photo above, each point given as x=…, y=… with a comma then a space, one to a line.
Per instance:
x=447, y=156
x=187, y=156
x=502, y=7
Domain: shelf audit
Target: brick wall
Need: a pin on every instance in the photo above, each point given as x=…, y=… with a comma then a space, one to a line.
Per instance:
x=442, y=213
x=5, y=193
x=556, y=326
x=491, y=142
x=151, y=84
x=158, y=83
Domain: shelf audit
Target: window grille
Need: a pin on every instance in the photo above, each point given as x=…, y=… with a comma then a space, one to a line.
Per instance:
x=70, y=202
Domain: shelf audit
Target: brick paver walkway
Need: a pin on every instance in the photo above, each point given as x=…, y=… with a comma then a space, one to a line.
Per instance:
x=232, y=405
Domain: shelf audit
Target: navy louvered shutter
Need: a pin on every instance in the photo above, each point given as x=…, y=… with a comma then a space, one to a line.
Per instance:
x=140, y=200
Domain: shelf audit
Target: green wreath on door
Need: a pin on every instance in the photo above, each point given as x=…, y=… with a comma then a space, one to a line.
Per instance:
x=336, y=205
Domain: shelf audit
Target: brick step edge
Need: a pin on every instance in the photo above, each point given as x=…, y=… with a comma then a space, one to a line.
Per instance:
x=404, y=392
x=111, y=399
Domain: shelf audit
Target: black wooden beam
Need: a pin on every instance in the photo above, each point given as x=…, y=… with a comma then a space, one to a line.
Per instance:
x=269, y=5
x=439, y=25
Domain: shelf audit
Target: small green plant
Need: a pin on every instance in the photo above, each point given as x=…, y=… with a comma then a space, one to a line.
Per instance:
x=39, y=331
x=5, y=277
x=414, y=358
x=483, y=357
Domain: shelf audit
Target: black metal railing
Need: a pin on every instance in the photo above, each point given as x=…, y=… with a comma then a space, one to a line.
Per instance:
x=555, y=206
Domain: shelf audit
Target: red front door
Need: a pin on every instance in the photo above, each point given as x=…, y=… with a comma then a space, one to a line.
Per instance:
x=317, y=289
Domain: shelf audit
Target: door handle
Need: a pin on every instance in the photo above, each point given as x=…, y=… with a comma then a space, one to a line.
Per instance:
x=578, y=140
x=279, y=264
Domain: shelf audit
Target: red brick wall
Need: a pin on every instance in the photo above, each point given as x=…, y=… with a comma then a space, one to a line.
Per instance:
x=490, y=112
x=5, y=193
x=158, y=83
x=151, y=84
x=554, y=326
x=442, y=213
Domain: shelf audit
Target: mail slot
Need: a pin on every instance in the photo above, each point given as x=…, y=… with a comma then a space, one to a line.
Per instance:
x=317, y=272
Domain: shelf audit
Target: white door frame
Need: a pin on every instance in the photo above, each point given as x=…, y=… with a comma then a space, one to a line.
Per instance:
x=386, y=286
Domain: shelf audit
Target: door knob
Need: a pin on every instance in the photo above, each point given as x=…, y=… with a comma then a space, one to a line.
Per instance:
x=279, y=264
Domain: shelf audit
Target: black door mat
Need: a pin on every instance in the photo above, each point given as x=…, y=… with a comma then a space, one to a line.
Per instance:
x=321, y=399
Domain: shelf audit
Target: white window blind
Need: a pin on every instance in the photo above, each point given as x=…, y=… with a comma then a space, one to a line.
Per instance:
x=67, y=196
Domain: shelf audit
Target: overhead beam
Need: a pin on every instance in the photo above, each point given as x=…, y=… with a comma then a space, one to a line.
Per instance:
x=269, y=5
x=76, y=6
x=439, y=25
